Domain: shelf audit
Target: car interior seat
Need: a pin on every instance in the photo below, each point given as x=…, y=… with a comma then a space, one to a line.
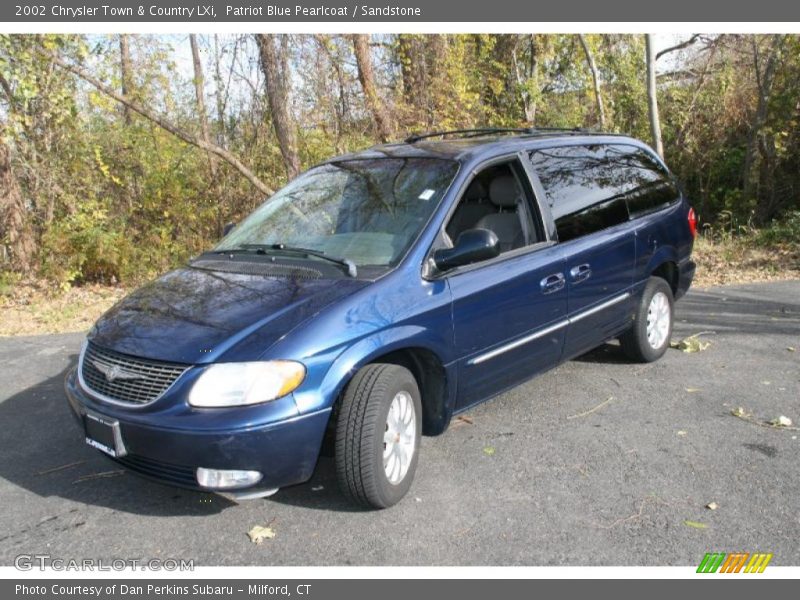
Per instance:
x=473, y=207
x=504, y=193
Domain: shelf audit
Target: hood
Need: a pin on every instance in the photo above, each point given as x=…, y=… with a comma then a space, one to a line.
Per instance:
x=195, y=316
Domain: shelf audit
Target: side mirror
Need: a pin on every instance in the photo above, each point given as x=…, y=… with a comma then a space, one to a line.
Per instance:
x=472, y=245
x=227, y=229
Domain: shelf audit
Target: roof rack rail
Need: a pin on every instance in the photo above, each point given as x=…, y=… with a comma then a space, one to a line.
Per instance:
x=497, y=130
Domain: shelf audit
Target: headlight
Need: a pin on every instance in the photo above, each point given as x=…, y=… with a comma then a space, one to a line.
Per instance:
x=237, y=384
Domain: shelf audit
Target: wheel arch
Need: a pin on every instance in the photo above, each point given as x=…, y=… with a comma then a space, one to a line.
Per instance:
x=668, y=271
x=435, y=377
x=664, y=264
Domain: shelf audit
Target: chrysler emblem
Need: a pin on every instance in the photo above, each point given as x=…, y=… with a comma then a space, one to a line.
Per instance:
x=113, y=372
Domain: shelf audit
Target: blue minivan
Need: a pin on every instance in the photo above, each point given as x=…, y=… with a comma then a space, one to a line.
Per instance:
x=379, y=294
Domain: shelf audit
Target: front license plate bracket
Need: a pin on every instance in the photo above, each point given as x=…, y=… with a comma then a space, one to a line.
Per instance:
x=104, y=434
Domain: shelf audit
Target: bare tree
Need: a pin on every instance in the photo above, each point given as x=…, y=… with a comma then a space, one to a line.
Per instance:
x=126, y=71
x=411, y=54
x=199, y=92
x=601, y=113
x=274, y=54
x=765, y=77
x=525, y=73
x=339, y=105
x=680, y=46
x=218, y=92
x=366, y=77
x=652, y=99
x=162, y=122
x=15, y=228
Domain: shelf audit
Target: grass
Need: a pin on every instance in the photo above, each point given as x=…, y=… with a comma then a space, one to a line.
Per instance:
x=33, y=307
x=744, y=258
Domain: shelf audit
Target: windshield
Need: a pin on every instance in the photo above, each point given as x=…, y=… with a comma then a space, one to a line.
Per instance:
x=366, y=211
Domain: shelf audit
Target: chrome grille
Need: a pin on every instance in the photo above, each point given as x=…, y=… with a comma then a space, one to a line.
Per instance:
x=125, y=378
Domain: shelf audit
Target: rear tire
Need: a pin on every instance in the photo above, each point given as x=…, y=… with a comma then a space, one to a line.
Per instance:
x=648, y=338
x=378, y=433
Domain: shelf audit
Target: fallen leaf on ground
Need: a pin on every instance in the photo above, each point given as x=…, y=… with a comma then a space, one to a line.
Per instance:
x=260, y=533
x=695, y=524
x=712, y=506
x=791, y=349
x=488, y=451
x=690, y=344
x=693, y=390
x=462, y=420
x=780, y=422
x=591, y=410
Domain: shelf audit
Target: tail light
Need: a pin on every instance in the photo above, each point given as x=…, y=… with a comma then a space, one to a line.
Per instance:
x=692, y=218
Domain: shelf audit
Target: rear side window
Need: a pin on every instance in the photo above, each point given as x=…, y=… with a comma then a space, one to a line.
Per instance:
x=592, y=187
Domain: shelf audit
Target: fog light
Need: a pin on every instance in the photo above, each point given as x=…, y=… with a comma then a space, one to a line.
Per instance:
x=225, y=480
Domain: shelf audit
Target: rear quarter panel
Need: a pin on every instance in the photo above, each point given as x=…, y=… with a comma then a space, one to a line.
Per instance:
x=662, y=236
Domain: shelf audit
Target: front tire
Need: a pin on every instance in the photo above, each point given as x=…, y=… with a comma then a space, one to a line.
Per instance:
x=648, y=338
x=378, y=434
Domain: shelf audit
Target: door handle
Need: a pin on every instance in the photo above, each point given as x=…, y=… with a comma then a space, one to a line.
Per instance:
x=552, y=283
x=580, y=273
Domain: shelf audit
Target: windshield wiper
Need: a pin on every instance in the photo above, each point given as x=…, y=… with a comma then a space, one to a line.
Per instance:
x=348, y=264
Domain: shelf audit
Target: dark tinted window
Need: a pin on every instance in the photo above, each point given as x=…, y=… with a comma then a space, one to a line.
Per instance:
x=590, y=188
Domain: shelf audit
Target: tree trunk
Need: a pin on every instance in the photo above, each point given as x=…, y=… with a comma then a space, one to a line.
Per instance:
x=339, y=105
x=199, y=92
x=366, y=77
x=764, y=81
x=126, y=72
x=652, y=99
x=525, y=75
x=275, y=65
x=416, y=97
x=407, y=57
x=219, y=94
x=601, y=113
x=162, y=122
x=15, y=230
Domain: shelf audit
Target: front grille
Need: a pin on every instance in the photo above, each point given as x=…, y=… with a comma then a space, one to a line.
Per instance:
x=127, y=378
x=169, y=473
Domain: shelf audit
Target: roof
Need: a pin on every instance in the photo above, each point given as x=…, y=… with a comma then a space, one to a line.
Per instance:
x=469, y=149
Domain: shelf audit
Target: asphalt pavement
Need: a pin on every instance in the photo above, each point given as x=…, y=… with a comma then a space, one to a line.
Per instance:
x=550, y=473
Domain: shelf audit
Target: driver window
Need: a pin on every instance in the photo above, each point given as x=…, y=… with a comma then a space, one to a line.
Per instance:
x=495, y=199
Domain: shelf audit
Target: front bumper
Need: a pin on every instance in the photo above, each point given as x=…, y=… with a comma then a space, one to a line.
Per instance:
x=285, y=452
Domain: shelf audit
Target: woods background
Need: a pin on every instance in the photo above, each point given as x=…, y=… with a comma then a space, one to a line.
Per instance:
x=121, y=156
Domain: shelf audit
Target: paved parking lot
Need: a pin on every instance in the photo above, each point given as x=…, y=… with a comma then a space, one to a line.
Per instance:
x=534, y=477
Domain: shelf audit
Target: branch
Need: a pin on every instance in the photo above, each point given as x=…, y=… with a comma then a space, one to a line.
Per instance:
x=7, y=89
x=162, y=122
x=680, y=46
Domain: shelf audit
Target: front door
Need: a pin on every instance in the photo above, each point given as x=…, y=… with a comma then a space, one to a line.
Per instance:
x=509, y=313
x=509, y=320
